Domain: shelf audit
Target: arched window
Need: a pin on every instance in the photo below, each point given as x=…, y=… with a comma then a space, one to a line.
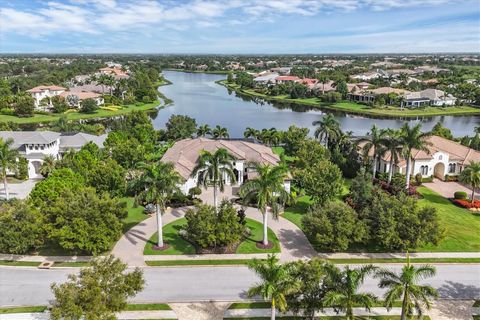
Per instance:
x=452, y=168
x=424, y=170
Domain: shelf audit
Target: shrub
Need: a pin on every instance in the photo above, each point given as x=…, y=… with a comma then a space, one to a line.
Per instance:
x=195, y=191
x=22, y=169
x=146, y=99
x=467, y=204
x=212, y=231
x=418, y=179
x=460, y=195
x=88, y=106
x=334, y=226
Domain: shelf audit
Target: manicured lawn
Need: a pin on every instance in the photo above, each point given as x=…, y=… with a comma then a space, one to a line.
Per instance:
x=412, y=260
x=226, y=262
x=19, y=263
x=22, y=309
x=356, y=108
x=296, y=212
x=461, y=226
x=147, y=306
x=100, y=113
x=178, y=245
x=135, y=214
x=266, y=305
x=76, y=264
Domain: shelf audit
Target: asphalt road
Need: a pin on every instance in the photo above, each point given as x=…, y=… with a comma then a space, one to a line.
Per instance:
x=29, y=286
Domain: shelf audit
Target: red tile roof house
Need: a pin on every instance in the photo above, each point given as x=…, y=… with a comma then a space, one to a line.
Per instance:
x=117, y=73
x=285, y=79
x=82, y=95
x=184, y=155
x=445, y=157
x=41, y=92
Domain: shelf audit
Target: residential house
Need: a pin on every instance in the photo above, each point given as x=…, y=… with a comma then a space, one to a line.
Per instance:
x=286, y=79
x=184, y=155
x=81, y=95
x=432, y=69
x=428, y=97
x=267, y=78
x=41, y=92
x=117, y=73
x=366, y=76
x=282, y=70
x=368, y=95
x=444, y=157
x=36, y=145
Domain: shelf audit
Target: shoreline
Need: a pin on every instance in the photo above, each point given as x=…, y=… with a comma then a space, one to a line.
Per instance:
x=161, y=102
x=356, y=109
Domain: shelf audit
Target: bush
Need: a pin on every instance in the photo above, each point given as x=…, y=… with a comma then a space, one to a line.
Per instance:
x=214, y=232
x=7, y=111
x=22, y=169
x=460, y=195
x=333, y=226
x=88, y=106
x=195, y=191
x=418, y=179
x=146, y=99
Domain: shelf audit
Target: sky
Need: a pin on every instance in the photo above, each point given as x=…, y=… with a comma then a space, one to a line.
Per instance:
x=239, y=26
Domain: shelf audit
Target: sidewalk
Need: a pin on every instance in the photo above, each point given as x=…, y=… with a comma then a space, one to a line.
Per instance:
x=20, y=257
x=125, y=315
x=256, y=313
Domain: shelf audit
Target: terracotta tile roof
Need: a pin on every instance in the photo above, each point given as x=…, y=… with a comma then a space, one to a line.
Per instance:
x=184, y=154
x=456, y=151
x=44, y=88
x=287, y=78
x=387, y=90
x=81, y=94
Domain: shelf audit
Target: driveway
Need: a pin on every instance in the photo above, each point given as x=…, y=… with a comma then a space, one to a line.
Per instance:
x=19, y=190
x=447, y=189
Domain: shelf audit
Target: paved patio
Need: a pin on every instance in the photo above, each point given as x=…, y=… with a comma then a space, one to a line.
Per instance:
x=447, y=189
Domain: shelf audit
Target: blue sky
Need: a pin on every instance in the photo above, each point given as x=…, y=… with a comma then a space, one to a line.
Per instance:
x=239, y=26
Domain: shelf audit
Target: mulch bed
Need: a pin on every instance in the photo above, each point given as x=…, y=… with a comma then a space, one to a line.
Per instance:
x=157, y=248
x=260, y=245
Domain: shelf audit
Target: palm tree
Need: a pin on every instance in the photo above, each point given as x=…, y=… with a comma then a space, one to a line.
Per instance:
x=328, y=128
x=48, y=165
x=158, y=182
x=345, y=284
x=276, y=282
x=204, y=130
x=471, y=176
x=213, y=169
x=220, y=132
x=121, y=85
x=268, y=190
x=415, y=298
x=392, y=143
x=373, y=143
x=323, y=79
x=250, y=133
x=8, y=161
x=413, y=138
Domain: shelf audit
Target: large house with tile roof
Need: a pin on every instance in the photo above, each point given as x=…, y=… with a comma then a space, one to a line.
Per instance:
x=40, y=92
x=184, y=155
x=36, y=145
x=444, y=157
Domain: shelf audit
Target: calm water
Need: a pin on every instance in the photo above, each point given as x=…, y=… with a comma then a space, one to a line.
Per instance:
x=198, y=96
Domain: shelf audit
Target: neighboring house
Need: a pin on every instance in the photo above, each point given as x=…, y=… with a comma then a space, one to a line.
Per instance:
x=428, y=97
x=369, y=95
x=432, y=69
x=82, y=95
x=41, y=92
x=385, y=64
x=117, y=73
x=327, y=87
x=366, y=76
x=309, y=82
x=282, y=70
x=184, y=154
x=266, y=78
x=445, y=157
x=36, y=145
x=92, y=87
x=286, y=79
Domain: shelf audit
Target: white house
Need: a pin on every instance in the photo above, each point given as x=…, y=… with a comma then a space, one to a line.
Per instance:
x=428, y=97
x=36, y=145
x=266, y=78
x=366, y=76
x=41, y=92
x=445, y=157
x=184, y=154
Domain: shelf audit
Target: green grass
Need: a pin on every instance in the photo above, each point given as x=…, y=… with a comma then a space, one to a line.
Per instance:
x=461, y=226
x=22, y=309
x=135, y=214
x=147, y=306
x=476, y=304
x=179, y=246
x=266, y=305
x=170, y=263
x=19, y=263
x=400, y=260
x=75, y=115
x=355, y=108
x=76, y=264
x=296, y=212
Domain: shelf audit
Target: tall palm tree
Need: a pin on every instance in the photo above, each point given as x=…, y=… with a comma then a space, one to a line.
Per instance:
x=48, y=165
x=415, y=298
x=373, y=143
x=204, y=130
x=250, y=133
x=276, y=282
x=471, y=176
x=213, y=169
x=392, y=144
x=158, y=183
x=328, y=128
x=268, y=190
x=220, y=132
x=413, y=138
x=346, y=283
x=8, y=161
x=323, y=79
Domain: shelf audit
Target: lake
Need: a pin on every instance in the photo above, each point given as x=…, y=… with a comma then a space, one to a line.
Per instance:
x=198, y=96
